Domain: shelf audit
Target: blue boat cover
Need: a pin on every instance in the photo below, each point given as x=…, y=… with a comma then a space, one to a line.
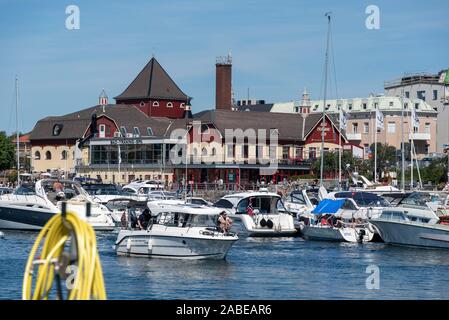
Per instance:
x=327, y=206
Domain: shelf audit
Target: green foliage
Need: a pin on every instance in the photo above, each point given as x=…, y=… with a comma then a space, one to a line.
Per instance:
x=386, y=157
x=436, y=171
x=7, y=152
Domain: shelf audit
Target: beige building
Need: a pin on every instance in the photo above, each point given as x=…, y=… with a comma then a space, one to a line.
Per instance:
x=360, y=114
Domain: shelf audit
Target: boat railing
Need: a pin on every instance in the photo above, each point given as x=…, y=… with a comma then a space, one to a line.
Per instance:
x=21, y=198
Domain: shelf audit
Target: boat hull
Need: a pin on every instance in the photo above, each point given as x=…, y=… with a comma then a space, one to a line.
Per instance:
x=413, y=234
x=321, y=233
x=16, y=218
x=156, y=245
x=245, y=225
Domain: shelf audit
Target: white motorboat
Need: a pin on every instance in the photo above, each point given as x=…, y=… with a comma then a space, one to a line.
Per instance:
x=361, y=183
x=326, y=222
x=258, y=214
x=102, y=192
x=182, y=231
x=298, y=202
x=363, y=205
x=414, y=222
x=30, y=207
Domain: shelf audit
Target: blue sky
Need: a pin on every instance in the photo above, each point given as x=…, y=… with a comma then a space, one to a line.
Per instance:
x=277, y=48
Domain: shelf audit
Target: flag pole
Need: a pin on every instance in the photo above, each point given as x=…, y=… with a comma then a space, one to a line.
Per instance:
x=339, y=149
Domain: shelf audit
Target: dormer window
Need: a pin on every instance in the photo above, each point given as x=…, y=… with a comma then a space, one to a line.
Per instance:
x=364, y=105
x=150, y=132
x=136, y=132
x=123, y=131
x=155, y=104
x=57, y=128
x=169, y=105
x=204, y=129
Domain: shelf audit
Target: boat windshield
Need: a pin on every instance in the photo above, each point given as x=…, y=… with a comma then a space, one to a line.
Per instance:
x=62, y=190
x=419, y=199
x=364, y=199
x=185, y=220
x=296, y=197
x=25, y=190
x=264, y=204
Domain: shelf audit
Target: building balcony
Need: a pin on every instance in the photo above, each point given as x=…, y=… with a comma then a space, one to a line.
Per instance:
x=354, y=136
x=419, y=136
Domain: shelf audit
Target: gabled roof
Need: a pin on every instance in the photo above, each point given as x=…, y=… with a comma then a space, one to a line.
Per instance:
x=290, y=127
x=74, y=125
x=153, y=82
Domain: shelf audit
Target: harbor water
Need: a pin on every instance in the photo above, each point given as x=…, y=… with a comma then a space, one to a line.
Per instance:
x=256, y=268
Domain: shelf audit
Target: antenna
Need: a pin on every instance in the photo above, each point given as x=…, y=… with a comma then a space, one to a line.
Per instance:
x=326, y=58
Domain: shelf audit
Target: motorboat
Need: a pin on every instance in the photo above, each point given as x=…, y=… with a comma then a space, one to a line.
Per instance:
x=258, y=213
x=31, y=206
x=328, y=222
x=415, y=222
x=149, y=185
x=298, y=202
x=361, y=183
x=179, y=231
x=103, y=192
x=363, y=205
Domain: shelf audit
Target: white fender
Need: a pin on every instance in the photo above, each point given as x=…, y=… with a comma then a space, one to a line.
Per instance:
x=128, y=244
x=150, y=245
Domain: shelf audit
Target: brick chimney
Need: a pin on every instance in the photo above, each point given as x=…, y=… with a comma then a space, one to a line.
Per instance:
x=223, y=83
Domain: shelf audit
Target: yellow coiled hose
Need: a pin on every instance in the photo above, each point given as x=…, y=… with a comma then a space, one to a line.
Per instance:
x=61, y=233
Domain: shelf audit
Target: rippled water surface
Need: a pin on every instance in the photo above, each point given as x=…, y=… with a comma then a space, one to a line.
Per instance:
x=282, y=268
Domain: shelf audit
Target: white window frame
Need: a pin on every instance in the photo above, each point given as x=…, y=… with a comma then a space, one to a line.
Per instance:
x=391, y=127
x=366, y=127
x=169, y=104
x=102, y=130
x=155, y=104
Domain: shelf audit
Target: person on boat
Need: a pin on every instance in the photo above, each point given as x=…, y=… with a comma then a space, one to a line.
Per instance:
x=249, y=208
x=225, y=222
x=144, y=219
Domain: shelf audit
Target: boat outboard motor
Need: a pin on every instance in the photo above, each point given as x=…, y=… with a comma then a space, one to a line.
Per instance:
x=270, y=224
x=263, y=222
x=361, y=234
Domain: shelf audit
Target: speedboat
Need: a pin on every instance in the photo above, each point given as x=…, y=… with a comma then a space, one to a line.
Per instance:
x=102, y=192
x=31, y=206
x=361, y=183
x=298, y=202
x=414, y=222
x=328, y=222
x=366, y=205
x=182, y=231
x=259, y=213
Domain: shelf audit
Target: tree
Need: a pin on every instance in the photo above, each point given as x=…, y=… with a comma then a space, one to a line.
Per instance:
x=386, y=157
x=7, y=152
x=436, y=171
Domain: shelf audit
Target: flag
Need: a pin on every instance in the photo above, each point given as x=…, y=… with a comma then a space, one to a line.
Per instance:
x=446, y=79
x=379, y=119
x=119, y=155
x=343, y=121
x=415, y=119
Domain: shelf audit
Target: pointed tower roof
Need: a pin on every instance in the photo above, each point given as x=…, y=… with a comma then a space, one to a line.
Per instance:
x=153, y=82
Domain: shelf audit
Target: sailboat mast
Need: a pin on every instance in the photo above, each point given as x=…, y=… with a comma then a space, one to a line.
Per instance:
x=402, y=143
x=17, y=131
x=323, y=124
